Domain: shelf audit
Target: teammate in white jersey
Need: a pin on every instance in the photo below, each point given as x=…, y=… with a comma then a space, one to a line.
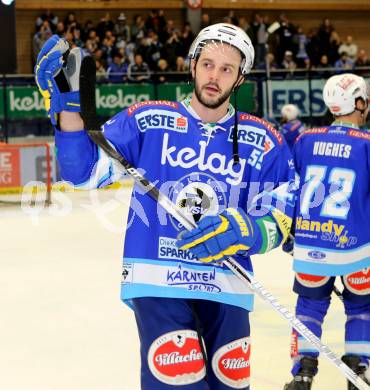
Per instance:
x=332, y=234
x=210, y=160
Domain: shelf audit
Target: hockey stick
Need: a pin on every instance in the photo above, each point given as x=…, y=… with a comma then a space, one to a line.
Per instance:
x=89, y=116
x=338, y=293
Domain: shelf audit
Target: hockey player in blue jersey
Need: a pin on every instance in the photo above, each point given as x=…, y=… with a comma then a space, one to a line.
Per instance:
x=211, y=161
x=332, y=234
x=290, y=125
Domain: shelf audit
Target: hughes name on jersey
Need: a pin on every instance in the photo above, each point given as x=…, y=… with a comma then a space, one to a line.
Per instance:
x=191, y=162
x=332, y=213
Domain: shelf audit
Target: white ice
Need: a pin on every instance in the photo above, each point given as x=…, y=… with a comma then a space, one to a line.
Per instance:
x=63, y=326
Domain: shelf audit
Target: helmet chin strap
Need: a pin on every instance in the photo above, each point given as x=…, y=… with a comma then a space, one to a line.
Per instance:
x=235, y=89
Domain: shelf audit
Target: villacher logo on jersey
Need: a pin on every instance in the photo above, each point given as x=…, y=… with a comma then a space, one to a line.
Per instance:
x=175, y=358
x=231, y=363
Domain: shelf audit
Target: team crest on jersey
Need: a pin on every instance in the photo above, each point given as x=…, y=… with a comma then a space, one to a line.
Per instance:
x=231, y=363
x=311, y=281
x=176, y=358
x=358, y=282
x=196, y=195
x=161, y=119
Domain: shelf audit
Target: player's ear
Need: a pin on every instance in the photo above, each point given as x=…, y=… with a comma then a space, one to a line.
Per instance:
x=192, y=68
x=360, y=104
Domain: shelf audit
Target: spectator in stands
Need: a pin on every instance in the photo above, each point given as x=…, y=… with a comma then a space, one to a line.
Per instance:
x=321, y=71
x=40, y=38
x=332, y=53
x=361, y=62
x=152, y=21
x=101, y=73
x=162, y=68
x=243, y=24
x=289, y=63
x=344, y=64
x=129, y=52
x=313, y=46
x=153, y=51
x=108, y=46
x=181, y=70
x=181, y=65
x=205, y=21
x=138, y=72
x=348, y=47
x=187, y=38
x=49, y=17
x=324, y=35
x=168, y=31
x=92, y=42
x=142, y=48
x=104, y=25
x=76, y=33
x=173, y=48
x=362, y=59
x=87, y=27
x=138, y=30
x=71, y=21
x=300, y=41
x=161, y=24
x=233, y=18
x=69, y=36
x=258, y=34
x=117, y=70
x=60, y=29
x=285, y=33
x=270, y=58
x=99, y=55
x=121, y=29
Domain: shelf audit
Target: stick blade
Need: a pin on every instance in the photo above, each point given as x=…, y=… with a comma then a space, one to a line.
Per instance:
x=87, y=93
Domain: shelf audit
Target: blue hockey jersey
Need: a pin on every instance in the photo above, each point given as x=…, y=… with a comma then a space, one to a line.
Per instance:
x=191, y=162
x=291, y=130
x=332, y=231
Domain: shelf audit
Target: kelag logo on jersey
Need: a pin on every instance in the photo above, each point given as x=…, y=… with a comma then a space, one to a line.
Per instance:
x=249, y=135
x=161, y=119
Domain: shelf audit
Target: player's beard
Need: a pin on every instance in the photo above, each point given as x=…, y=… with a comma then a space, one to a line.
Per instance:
x=211, y=103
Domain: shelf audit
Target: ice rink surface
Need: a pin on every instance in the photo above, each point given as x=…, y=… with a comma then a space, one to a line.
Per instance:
x=63, y=326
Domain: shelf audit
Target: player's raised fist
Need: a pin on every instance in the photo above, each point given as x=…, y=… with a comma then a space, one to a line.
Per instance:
x=57, y=76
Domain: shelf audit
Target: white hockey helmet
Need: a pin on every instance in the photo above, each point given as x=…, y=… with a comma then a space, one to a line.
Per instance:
x=341, y=91
x=290, y=112
x=227, y=33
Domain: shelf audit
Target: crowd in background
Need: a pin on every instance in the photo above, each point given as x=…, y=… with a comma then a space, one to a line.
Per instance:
x=153, y=48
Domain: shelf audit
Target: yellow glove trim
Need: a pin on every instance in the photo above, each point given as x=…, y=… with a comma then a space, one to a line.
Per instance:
x=244, y=231
x=221, y=229
x=283, y=221
x=231, y=250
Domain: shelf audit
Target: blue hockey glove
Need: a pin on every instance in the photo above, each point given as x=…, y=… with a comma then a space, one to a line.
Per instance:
x=57, y=73
x=217, y=237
